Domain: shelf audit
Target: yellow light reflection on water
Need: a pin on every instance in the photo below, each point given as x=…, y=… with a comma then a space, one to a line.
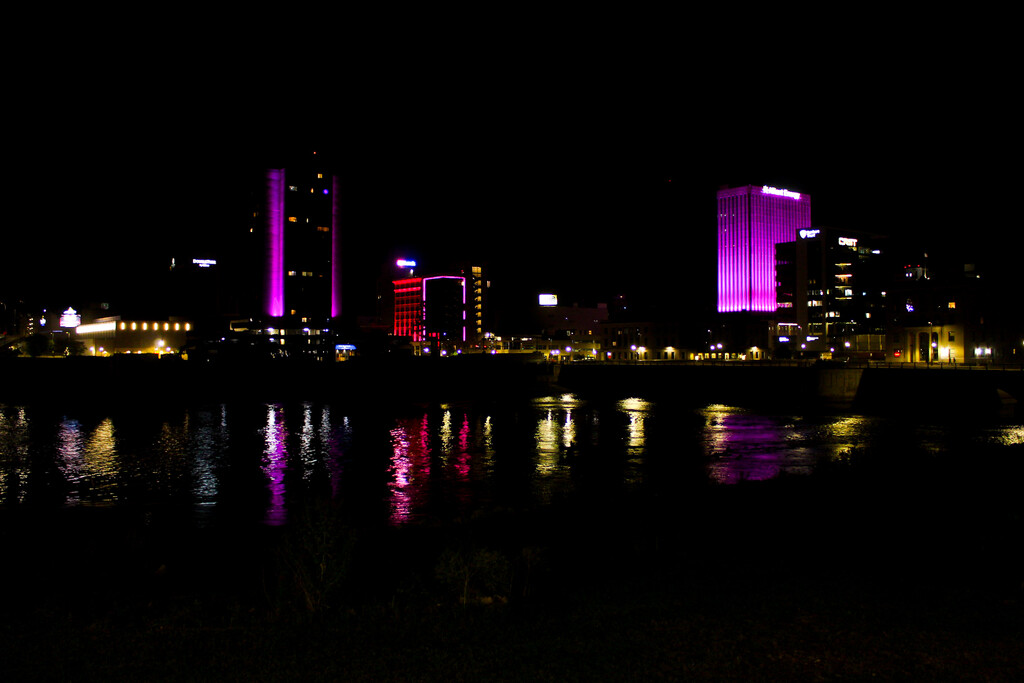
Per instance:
x=556, y=430
x=547, y=440
x=14, y=449
x=1011, y=436
x=637, y=411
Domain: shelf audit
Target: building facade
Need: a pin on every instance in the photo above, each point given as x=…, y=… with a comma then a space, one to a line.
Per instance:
x=444, y=311
x=832, y=294
x=109, y=336
x=751, y=221
x=298, y=221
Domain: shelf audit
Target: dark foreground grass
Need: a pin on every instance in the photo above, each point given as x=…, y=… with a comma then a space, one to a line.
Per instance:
x=845, y=575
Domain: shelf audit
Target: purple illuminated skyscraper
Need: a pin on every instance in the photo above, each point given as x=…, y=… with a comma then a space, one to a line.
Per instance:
x=751, y=221
x=301, y=245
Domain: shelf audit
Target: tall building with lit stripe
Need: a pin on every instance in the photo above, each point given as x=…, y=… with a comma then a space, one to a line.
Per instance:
x=301, y=245
x=751, y=221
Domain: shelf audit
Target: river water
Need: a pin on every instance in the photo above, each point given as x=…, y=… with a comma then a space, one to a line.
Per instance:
x=415, y=463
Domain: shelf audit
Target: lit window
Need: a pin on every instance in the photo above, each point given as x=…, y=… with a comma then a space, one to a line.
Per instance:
x=952, y=304
x=293, y=219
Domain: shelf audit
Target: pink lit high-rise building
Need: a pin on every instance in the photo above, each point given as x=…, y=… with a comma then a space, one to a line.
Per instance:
x=751, y=221
x=301, y=250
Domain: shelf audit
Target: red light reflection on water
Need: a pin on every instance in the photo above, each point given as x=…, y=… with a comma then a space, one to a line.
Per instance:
x=410, y=465
x=431, y=464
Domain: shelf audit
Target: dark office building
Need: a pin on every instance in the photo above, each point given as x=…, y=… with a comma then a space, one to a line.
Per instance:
x=831, y=292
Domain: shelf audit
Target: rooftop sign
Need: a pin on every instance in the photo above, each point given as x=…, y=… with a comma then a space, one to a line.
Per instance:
x=70, y=318
x=779, y=192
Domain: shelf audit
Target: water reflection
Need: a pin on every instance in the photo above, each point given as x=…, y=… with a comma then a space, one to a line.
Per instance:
x=14, y=454
x=208, y=440
x=436, y=466
x=637, y=411
x=275, y=454
x=424, y=462
x=741, y=444
x=410, y=466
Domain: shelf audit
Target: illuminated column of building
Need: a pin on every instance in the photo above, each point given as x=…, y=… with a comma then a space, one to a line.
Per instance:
x=273, y=300
x=751, y=221
x=335, y=252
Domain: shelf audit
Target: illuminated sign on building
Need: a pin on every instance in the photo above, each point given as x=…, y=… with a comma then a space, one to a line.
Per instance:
x=847, y=241
x=70, y=318
x=204, y=262
x=808, y=234
x=780, y=192
x=548, y=300
x=402, y=263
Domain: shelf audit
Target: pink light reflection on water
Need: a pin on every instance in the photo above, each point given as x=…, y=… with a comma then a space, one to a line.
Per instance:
x=745, y=446
x=410, y=466
x=275, y=462
x=462, y=459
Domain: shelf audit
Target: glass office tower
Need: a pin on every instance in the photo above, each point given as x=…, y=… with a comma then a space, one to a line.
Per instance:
x=751, y=221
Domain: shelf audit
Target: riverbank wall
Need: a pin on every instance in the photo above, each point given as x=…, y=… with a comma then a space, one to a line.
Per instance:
x=870, y=388
x=886, y=388
x=147, y=379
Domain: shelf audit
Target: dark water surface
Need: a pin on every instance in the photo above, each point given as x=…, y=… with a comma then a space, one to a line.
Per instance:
x=403, y=464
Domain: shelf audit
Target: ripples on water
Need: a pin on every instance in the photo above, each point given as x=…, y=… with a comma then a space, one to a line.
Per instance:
x=423, y=462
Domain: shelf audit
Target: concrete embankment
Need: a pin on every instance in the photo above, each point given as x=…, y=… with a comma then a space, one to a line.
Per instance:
x=145, y=380
x=868, y=388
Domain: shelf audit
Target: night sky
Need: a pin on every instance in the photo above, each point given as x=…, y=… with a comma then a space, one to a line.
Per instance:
x=585, y=168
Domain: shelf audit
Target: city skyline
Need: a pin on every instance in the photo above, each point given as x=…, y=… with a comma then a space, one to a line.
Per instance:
x=584, y=190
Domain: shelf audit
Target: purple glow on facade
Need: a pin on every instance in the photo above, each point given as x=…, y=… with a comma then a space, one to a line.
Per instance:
x=462, y=283
x=273, y=299
x=335, y=251
x=751, y=221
